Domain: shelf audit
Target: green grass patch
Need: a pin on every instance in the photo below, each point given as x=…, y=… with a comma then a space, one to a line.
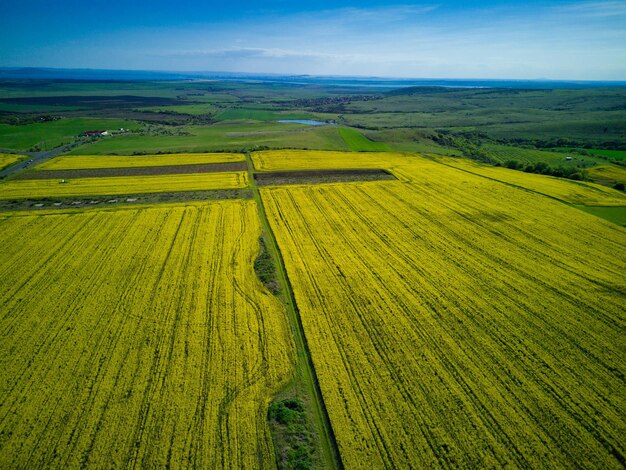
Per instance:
x=615, y=214
x=294, y=438
x=34, y=108
x=259, y=115
x=612, y=154
x=545, y=117
x=50, y=134
x=193, y=109
x=358, y=142
x=266, y=269
x=216, y=98
x=227, y=136
x=506, y=153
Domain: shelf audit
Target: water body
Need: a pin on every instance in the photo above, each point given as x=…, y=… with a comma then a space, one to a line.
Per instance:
x=308, y=122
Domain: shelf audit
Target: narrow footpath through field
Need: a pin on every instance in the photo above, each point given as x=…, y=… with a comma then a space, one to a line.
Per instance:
x=306, y=378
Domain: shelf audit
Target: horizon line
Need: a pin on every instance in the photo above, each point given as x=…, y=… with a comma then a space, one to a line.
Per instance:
x=297, y=75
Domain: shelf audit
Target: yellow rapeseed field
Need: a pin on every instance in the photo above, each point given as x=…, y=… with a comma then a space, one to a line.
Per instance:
x=80, y=162
x=574, y=192
x=456, y=321
x=115, y=185
x=138, y=338
x=409, y=167
x=282, y=160
x=611, y=173
x=7, y=159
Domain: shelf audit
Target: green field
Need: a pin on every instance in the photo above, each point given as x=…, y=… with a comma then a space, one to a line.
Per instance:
x=259, y=115
x=48, y=135
x=222, y=136
x=612, y=154
x=403, y=120
x=194, y=109
x=22, y=108
x=358, y=142
x=505, y=153
x=617, y=215
x=522, y=115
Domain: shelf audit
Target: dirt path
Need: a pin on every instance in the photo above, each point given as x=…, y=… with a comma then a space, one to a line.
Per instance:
x=306, y=378
x=134, y=171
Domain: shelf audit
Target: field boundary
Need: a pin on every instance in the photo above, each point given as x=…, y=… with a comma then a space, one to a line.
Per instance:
x=110, y=201
x=133, y=171
x=305, y=371
x=507, y=183
x=280, y=178
x=600, y=214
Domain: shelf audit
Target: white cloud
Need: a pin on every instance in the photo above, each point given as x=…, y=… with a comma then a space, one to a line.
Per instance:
x=398, y=40
x=253, y=52
x=378, y=14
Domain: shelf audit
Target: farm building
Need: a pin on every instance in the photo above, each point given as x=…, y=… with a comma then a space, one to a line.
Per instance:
x=94, y=133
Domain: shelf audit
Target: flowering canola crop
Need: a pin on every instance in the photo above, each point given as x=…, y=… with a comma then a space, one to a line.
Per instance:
x=457, y=321
x=411, y=167
x=608, y=173
x=574, y=192
x=8, y=159
x=82, y=162
x=115, y=185
x=138, y=338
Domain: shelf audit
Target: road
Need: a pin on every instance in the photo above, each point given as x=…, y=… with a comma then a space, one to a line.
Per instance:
x=35, y=159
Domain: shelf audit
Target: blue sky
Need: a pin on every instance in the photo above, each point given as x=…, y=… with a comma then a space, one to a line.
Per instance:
x=583, y=40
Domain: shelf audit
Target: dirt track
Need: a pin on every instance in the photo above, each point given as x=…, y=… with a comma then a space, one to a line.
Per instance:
x=321, y=176
x=139, y=171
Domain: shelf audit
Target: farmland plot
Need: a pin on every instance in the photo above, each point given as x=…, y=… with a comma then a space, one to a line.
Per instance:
x=91, y=162
x=612, y=173
x=574, y=192
x=410, y=167
x=8, y=159
x=282, y=160
x=457, y=321
x=137, y=338
x=116, y=185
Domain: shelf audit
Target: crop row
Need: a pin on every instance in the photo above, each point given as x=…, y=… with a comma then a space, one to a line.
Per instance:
x=504, y=153
x=415, y=168
x=284, y=160
x=137, y=338
x=456, y=321
x=610, y=173
x=115, y=185
x=575, y=192
x=85, y=162
x=8, y=159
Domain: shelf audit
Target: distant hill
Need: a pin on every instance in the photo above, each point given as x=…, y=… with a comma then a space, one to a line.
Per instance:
x=11, y=73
